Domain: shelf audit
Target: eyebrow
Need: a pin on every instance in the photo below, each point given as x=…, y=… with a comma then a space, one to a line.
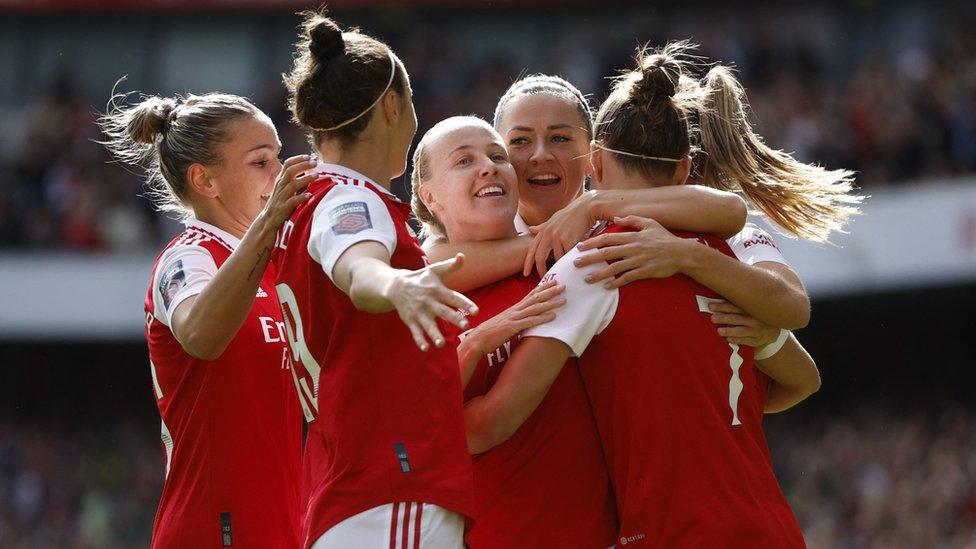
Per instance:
x=456, y=149
x=552, y=127
x=263, y=146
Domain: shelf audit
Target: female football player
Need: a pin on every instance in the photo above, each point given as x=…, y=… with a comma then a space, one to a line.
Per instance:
x=385, y=460
x=231, y=428
x=680, y=426
x=540, y=477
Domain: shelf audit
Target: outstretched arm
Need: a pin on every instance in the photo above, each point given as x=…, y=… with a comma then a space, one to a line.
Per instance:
x=485, y=262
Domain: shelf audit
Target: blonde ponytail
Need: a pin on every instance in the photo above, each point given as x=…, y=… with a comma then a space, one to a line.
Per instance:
x=808, y=201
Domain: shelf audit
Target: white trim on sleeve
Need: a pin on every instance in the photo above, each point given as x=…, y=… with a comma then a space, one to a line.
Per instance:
x=347, y=215
x=589, y=307
x=182, y=272
x=754, y=245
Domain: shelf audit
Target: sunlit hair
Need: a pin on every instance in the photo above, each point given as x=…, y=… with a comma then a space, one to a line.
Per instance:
x=646, y=121
x=337, y=76
x=536, y=84
x=165, y=136
x=807, y=200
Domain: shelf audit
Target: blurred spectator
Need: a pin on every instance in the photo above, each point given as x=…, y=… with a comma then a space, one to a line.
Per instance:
x=893, y=110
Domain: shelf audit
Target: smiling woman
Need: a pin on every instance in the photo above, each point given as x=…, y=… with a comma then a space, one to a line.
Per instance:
x=216, y=351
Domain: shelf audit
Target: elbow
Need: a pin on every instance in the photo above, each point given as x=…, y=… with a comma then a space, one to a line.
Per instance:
x=796, y=313
x=737, y=211
x=485, y=435
x=203, y=348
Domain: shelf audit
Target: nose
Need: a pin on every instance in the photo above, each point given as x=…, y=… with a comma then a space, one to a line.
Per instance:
x=488, y=168
x=540, y=153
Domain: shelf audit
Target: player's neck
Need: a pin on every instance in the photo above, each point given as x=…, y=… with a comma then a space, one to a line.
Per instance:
x=235, y=225
x=362, y=160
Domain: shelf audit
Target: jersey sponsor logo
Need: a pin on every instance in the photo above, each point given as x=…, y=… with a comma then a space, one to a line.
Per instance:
x=550, y=276
x=350, y=218
x=500, y=355
x=172, y=281
x=759, y=239
x=274, y=331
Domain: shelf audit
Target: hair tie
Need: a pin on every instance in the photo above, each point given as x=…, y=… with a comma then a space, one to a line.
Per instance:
x=635, y=155
x=373, y=104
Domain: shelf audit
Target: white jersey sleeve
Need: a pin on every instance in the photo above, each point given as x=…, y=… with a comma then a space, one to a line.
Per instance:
x=347, y=215
x=182, y=272
x=589, y=307
x=754, y=245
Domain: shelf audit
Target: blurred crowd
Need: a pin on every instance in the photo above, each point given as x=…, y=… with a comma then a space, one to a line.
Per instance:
x=863, y=480
x=892, y=114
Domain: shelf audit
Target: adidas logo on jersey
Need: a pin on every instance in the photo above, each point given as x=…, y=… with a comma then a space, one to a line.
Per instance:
x=261, y=293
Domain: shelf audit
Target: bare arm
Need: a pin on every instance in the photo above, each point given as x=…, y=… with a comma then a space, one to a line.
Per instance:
x=793, y=373
x=206, y=323
x=494, y=417
x=770, y=292
x=364, y=273
x=532, y=310
x=679, y=207
x=485, y=262
x=793, y=376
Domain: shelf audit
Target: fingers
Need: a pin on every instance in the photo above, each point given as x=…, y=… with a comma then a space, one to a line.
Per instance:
x=635, y=222
x=737, y=331
x=447, y=266
x=543, y=307
x=418, y=336
x=541, y=256
x=735, y=320
x=611, y=270
x=605, y=254
x=626, y=278
x=544, y=292
x=723, y=306
x=294, y=166
x=533, y=321
x=432, y=331
x=456, y=300
x=529, y=262
x=609, y=239
x=454, y=316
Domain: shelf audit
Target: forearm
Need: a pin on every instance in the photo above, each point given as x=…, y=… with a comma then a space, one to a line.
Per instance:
x=370, y=282
x=765, y=295
x=469, y=354
x=217, y=313
x=793, y=376
x=484, y=262
x=526, y=378
x=680, y=207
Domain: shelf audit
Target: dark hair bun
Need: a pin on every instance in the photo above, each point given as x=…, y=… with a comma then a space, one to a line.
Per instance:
x=325, y=39
x=149, y=119
x=659, y=75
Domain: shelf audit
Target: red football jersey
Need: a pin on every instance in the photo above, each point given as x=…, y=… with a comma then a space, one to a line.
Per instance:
x=385, y=419
x=678, y=410
x=232, y=431
x=547, y=485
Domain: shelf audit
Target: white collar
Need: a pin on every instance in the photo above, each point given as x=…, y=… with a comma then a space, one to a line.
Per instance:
x=230, y=239
x=349, y=173
x=520, y=225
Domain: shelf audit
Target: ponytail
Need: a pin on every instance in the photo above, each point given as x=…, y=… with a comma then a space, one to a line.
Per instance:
x=808, y=201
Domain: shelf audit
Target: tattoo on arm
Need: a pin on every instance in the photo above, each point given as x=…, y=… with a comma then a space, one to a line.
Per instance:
x=262, y=260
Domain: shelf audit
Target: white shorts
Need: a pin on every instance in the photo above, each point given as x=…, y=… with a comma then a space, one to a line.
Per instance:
x=401, y=525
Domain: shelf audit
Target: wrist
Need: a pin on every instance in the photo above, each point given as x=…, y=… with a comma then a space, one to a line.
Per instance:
x=598, y=206
x=688, y=256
